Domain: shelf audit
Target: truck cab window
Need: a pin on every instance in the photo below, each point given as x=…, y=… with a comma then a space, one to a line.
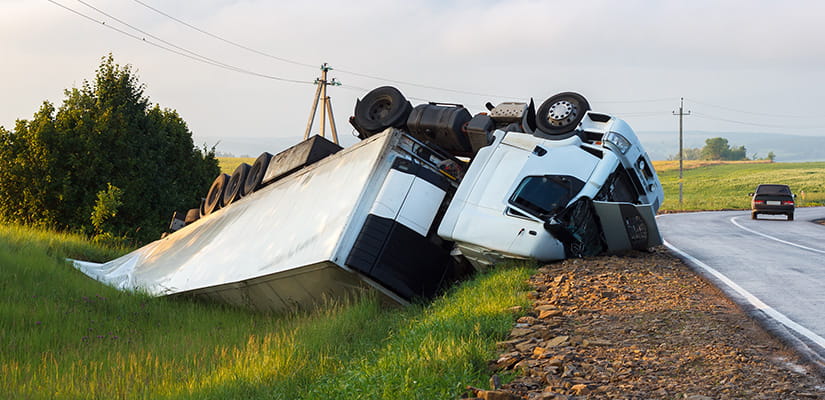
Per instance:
x=545, y=195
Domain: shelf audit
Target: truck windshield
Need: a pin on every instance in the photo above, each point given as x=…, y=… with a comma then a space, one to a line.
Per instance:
x=546, y=195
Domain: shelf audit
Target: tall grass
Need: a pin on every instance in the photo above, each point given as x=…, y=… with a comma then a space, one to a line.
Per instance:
x=726, y=186
x=63, y=335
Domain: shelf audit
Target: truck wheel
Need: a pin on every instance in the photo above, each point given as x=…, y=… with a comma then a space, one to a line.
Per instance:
x=214, y=197
x=256, y=173
x=380, y=109
x=559, y=115
x=235, y=187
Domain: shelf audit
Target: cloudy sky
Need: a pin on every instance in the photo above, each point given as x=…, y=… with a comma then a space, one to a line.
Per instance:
x=749, y=65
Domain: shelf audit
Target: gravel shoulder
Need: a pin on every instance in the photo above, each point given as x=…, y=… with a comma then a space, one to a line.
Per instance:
x=643, y=326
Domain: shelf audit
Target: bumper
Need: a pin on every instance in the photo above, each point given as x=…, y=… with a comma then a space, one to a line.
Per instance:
x=766, y=209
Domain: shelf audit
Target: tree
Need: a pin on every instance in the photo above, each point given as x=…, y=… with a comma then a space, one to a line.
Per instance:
x=106, y=133
x=718, y=149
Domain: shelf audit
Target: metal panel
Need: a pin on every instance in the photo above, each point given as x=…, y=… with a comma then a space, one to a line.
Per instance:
x=614, y=220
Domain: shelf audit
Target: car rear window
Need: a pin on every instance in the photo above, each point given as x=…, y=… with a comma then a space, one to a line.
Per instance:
x=773, y=189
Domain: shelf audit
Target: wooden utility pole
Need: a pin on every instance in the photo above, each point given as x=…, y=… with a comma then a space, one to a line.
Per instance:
x=681, y=114
x=326, y=107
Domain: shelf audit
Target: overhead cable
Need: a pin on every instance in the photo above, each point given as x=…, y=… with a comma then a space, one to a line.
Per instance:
x=761, y=114
x=247, y=48
x=706, y=116
x=344, y=71
x=182, y=51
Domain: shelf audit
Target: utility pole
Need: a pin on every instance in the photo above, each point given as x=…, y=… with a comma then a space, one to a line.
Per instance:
x=326, y=107
x=681, y=114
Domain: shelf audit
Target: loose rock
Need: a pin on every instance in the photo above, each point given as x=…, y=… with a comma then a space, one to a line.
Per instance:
x=640, y=326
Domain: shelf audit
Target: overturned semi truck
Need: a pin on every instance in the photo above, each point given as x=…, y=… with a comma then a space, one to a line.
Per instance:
x=429, y=194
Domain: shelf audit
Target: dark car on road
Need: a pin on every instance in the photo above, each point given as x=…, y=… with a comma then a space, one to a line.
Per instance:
x=772, y=199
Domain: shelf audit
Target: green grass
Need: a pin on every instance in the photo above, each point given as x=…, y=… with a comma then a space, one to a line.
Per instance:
x=726, y=186
x=63, y=335
x=228, y=164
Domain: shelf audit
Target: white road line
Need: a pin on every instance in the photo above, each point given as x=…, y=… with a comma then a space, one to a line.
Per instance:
x=768, y=310
x=733, y=221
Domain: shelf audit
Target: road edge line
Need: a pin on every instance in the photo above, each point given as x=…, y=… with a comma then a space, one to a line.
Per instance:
x=759, y=305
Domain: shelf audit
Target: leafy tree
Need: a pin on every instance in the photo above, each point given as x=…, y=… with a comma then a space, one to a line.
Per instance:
x=106, y=133
x=106, y=207
x=718, y=149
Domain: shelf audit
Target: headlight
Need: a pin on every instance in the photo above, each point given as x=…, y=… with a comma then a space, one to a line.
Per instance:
x=618, y=140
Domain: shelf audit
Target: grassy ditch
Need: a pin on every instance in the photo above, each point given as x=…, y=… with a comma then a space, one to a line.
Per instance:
x=726, y=185
x=63, y=335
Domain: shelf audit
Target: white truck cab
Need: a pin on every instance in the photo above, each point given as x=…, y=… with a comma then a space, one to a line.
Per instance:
x=527, y=196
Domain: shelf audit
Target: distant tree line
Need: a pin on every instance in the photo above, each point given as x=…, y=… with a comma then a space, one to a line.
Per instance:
x=106, y=162
x=718, y=149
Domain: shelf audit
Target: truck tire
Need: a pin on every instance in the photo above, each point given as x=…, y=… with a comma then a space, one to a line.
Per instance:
x=214, y=198
x=380, y=109
x=256, y=173
x=559, y=115
x=235, y=187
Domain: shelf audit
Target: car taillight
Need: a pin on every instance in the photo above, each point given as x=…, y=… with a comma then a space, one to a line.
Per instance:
x=787, y=203
x=759, y=202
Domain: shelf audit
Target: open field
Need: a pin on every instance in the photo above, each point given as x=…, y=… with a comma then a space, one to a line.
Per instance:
x=63, y=335
x=228, y=164
x=718, y=186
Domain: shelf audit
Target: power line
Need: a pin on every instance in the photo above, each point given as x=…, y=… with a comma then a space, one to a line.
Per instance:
x=635, y=101
x=706, y=116
x=182, y=52
x=286, y=60
x=153, y=36
x=368, y=76
x=761, y=114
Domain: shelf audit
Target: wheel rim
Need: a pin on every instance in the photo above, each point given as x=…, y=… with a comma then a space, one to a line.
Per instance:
x=561, y=113
x=380, y=109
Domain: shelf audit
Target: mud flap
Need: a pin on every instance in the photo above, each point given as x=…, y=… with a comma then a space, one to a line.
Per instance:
x=577, y=227
x=628, y=226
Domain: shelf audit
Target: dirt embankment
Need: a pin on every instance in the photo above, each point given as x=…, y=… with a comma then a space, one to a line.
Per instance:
x=643, y=326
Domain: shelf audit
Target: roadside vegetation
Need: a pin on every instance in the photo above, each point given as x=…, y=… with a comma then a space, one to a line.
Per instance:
x=106, y=162
x=63, y=335
x=709, y=185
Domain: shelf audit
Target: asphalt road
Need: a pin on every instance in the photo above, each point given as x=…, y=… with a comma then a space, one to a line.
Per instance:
x=775, y=268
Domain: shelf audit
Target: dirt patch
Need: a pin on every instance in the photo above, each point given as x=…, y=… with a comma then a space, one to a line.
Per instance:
x=644, y=326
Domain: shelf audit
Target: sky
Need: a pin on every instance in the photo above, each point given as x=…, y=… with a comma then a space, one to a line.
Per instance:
x=741, y=66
